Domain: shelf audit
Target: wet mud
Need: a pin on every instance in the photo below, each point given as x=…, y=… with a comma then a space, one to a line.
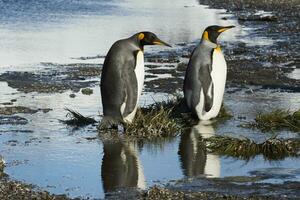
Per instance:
x=53, y=78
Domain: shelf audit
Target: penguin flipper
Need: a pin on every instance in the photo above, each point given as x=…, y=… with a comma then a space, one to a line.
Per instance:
x=207, y=86
x=131, y=85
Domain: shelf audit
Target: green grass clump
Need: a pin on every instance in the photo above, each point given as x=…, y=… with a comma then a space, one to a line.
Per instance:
x=2, y=165
x=153, y=123
x=175, y=103
x=157, y=192
x=159, y=120
x=276, y=120
x=224, y=113
x=271, y=149
x=77, y=119
x=87, y=91
x=181, y=112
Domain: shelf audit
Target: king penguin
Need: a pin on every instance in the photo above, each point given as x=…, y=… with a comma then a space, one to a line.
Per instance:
x=122, y=78
x=205, y=77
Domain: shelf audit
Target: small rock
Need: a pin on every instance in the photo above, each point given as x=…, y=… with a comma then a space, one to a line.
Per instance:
x=87, y=91
x=7, y=103
x=72, y=95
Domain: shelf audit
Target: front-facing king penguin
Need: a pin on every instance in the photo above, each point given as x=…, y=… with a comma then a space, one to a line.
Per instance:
x=205, y=77
x=122, y=78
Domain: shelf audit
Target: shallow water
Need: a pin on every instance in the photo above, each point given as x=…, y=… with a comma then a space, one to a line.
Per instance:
x=56, y=31
x=57, y=158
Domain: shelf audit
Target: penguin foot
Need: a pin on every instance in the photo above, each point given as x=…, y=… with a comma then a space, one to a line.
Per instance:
x=108, y=122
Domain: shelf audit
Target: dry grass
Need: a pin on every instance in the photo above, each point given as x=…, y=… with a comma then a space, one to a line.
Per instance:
x=77, y=119
x=271, y=149
x=157, y=192
x=2, y=165
x=224, y=113
x=276, y=120
x=155, y=122
x=159, y=120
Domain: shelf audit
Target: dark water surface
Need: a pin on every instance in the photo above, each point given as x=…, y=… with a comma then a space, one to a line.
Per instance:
x=54, y=157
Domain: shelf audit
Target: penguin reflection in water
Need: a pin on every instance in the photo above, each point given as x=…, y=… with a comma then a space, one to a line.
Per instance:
x=121, y=166
x=205, y=77
x=194, y=159
x=122, y=78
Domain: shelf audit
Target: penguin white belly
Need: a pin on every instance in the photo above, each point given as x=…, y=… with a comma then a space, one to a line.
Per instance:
x=140, y=76
x=218, y=74
x=212, y=165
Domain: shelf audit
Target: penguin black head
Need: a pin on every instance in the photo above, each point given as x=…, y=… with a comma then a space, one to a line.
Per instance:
x=211, y=33
x=149, y=38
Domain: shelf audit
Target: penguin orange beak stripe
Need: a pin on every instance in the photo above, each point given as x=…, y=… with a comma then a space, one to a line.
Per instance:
x=160, y=42
x=225, y=28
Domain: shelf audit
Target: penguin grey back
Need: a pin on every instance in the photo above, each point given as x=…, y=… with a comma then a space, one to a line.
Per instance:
x=117, y=79
x=198, y=76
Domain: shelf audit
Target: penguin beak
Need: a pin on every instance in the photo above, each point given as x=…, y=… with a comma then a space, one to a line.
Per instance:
x=160, y=42
x=225, y=28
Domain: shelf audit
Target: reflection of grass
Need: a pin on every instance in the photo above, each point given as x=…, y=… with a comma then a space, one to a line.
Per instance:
x=277, y=119
x=271, y=149
x=77, y=119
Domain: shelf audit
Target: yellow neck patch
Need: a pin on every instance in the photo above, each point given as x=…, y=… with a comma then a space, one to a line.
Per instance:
x=141, y=36
x=205, y=35
x=218, y=48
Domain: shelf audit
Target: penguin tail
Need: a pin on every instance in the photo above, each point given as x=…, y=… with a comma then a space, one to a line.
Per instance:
x=109, y=122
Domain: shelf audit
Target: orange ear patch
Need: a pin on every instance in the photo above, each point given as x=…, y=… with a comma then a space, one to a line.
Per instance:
x=141, y=36
x=205, y=35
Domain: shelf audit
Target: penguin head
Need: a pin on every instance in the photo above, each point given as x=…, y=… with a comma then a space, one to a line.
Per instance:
x=149, y=38
x=212, y=33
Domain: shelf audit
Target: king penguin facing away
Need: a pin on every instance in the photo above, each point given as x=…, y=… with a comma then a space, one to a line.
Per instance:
x=205, y=77
x=122, y=78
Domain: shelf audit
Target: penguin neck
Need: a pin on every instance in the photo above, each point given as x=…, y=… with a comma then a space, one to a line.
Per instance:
x=208, y=44
x=137, y=42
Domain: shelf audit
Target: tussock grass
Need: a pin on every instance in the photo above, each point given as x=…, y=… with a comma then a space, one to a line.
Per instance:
x=77, y=119
x=2, y=165
x=276, y=120
x=224, y=113
x=165, y=119
x=171, y=103
x=159, y=120
x=271, y=149
x=157, y=192
x=181, y=112
x=154, y=122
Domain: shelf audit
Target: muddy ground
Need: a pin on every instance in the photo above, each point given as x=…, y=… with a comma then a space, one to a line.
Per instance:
x=266, y=66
